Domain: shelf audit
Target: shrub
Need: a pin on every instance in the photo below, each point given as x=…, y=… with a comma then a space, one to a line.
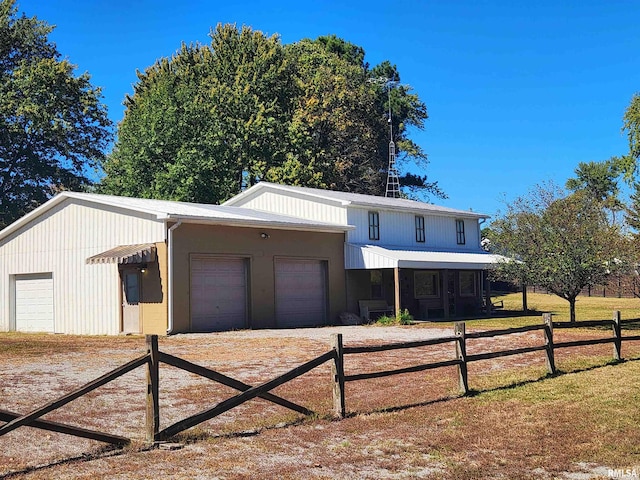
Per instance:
x=404, y=318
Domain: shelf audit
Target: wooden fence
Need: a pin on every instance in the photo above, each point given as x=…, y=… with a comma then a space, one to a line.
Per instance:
x=460, y=359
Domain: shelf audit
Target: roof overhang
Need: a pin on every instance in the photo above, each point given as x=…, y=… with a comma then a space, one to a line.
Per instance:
x=272, y=224
x=374, y=257
x=126, y=254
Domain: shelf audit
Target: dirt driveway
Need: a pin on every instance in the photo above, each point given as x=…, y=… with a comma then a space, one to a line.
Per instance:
x=391, y=431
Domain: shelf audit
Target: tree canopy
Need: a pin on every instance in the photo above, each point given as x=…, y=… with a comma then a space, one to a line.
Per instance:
x=559, y=242
x=599, y=180
x=53, y=126
x=215, y=118
x=631, y=125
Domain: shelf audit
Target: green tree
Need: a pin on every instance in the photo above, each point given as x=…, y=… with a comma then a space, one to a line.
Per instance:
x=559, y=242
x=335, y=124
x=631, y=125
x=632, y=212
x=53, y=127
x=203, y=122
x=213, y=119
x=600, y=181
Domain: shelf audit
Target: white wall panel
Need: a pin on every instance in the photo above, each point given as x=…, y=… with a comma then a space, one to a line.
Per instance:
x=398, y=229
x=86, y=297
x=297, y=207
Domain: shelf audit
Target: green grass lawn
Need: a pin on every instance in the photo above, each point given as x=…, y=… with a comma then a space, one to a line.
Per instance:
x=587, y=308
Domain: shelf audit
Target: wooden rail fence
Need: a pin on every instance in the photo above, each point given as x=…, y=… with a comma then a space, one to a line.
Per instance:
x=460, y=359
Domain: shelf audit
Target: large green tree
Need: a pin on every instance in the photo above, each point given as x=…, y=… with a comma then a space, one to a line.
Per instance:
x=204, y=121
x=557, y=241
x=53, y=126
x=213, y=119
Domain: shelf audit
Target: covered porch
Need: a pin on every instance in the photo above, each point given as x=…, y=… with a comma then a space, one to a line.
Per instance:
x=429, y=284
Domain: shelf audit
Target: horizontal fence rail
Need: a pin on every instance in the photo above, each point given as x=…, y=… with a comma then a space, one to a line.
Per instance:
x=462, y=359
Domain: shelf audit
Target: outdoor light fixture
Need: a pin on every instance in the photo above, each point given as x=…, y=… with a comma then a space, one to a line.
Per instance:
x=143, y=268
x=264, y=236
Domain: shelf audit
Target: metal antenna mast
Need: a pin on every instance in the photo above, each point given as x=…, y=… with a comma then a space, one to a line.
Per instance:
x=393, y=179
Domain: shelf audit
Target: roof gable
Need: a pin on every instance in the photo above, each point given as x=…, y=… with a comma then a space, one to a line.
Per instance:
x=347, y=199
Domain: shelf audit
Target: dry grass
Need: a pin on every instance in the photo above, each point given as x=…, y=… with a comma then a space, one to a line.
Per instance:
x=518, y=424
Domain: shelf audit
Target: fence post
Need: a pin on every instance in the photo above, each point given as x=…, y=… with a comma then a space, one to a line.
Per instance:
x=617, y=335
x=153, y=407
x=337, y=375
x=461, y=354
x=548, y=340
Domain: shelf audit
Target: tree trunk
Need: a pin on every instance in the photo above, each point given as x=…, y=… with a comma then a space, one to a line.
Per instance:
x=572, y=309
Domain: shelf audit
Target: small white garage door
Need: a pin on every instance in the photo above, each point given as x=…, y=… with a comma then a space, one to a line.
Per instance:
x=301, y=298
x=34, y=303
x=218, y=293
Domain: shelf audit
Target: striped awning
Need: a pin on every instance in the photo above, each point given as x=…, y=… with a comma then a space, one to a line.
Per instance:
x=125, y=254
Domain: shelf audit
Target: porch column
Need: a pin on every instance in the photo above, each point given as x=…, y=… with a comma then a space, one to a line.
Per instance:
x=487, y=292
x=445, y=292
x=396, y=290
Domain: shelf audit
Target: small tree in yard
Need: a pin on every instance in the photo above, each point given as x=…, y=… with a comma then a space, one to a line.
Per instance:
x=559, y=242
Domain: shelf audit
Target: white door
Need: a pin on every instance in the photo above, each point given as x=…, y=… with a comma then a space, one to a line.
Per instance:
x=34, y=303
x=301, y=298
x=218, y=293
x=130, y=300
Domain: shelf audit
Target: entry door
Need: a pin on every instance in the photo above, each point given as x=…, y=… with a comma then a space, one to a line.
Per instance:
x=130, y=301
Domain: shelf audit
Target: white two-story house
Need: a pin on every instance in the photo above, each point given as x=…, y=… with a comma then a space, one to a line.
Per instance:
x=416, y=256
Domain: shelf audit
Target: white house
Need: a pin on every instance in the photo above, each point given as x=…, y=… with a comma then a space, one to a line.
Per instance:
x=273, y=256
x=422, y=257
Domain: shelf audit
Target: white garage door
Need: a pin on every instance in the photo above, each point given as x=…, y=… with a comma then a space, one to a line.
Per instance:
x=218, y=294
x=301, y=299
x=34, y=303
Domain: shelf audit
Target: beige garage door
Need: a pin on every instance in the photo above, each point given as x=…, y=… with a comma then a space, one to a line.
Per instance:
x=34, y=303
x=218, y=293
x=301, y=296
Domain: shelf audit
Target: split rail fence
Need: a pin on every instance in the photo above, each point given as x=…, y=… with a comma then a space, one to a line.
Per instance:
x=336, y=356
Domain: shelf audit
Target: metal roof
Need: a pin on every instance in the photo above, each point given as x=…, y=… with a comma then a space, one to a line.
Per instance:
x=125, y=254
x=188, y=212
x=373, y=257
x=355, y=199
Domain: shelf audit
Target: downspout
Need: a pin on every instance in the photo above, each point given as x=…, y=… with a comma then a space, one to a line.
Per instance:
x=170, y=275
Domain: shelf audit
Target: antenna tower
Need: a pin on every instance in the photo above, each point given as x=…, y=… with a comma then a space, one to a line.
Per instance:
x=393, y=180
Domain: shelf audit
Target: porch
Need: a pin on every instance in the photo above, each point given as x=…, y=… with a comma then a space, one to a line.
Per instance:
x=430, y=285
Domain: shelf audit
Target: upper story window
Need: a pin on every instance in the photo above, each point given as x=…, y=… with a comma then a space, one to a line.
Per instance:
x=460, y=232
x=420, y=237
x=374, y=226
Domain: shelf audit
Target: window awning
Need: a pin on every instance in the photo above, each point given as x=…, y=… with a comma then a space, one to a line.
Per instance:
x=125, y=254
x=373, y=257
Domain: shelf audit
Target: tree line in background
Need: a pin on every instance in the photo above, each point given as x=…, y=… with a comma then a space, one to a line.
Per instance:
x=564, y=240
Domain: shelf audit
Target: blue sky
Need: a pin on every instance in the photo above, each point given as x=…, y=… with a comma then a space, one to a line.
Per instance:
x=517, y=92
